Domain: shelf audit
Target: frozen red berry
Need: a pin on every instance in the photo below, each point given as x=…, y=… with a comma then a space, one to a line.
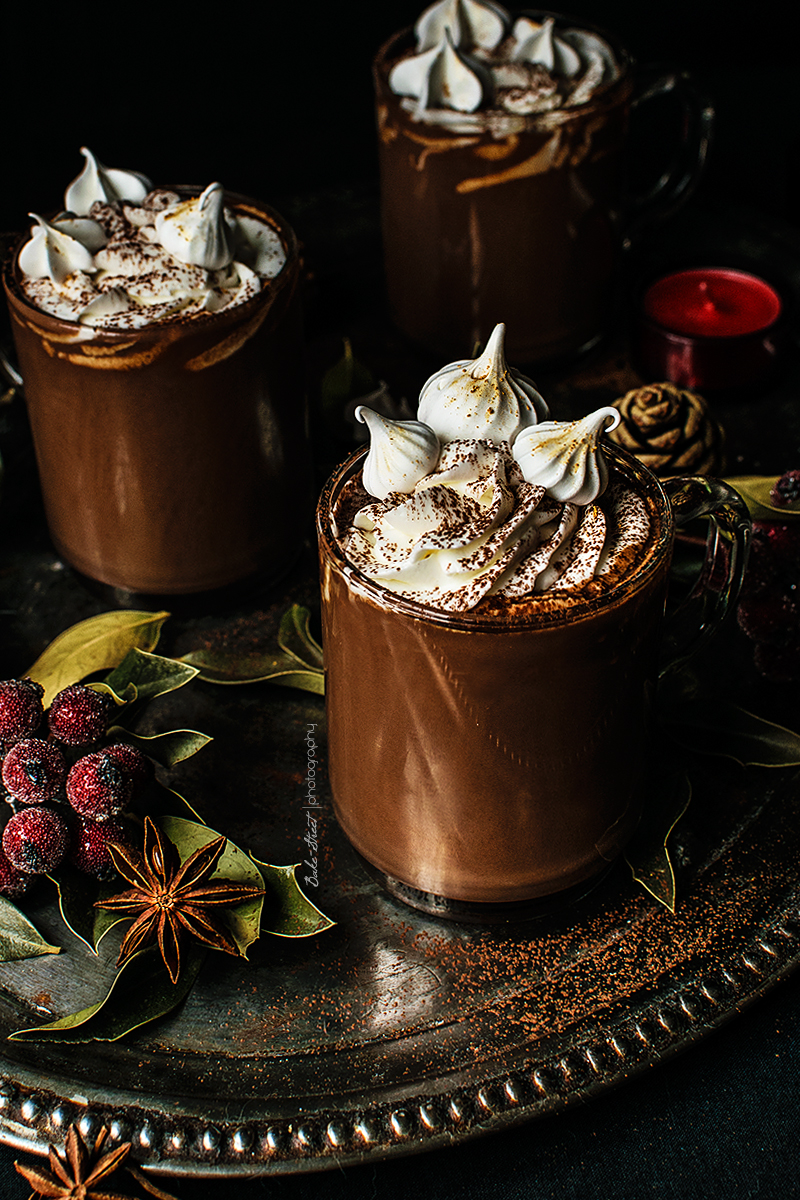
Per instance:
x=137, y=765
x=784, y=540
x=36, y=840
x=13, y=883
x=79, y=715
x=90, y=841
x=34, y=771
x=99, y=787
x=786, y=491
x=21, y=710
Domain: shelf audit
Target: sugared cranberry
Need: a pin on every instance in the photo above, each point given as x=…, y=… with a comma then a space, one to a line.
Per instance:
x=137, y=765
x=89, y=849
x=36, y=840
x=13, y=883
x=79, y=715
x=34, y=771
x=99, y=787
x=786, y=491
x=784, y=540
x=21, y=709
x=767, y=617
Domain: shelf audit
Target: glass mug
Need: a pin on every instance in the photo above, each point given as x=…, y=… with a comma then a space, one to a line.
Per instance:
x=166, y=452
x=479, y=765
x=527, y=217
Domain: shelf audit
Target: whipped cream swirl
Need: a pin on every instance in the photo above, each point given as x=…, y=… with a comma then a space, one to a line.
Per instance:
x=513, y=514
x=143, y=256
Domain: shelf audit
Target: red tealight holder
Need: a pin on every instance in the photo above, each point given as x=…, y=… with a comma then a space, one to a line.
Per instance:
x=710, y=329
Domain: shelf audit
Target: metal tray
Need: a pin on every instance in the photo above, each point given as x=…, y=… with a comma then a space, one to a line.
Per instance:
x=392, y=1032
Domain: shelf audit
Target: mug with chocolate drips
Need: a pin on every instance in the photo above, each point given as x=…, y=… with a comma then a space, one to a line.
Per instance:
x=493, y=622
x=503, y=147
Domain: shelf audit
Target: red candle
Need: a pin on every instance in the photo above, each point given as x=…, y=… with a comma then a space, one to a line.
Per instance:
x=709, y=328
x=712, y=302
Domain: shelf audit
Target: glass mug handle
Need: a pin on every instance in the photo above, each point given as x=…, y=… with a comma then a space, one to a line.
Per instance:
x=674, y=187
x=716, y=588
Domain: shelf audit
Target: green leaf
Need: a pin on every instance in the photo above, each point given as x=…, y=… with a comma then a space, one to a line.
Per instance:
x=150, y=674
x=244, y=919
x=94, y=645
x=141, y=992
x=289, y=912
x=19, y=938
x=755, y=491
x=647, y=853
x=345, y=380
x=167, y=749
x=722, y=728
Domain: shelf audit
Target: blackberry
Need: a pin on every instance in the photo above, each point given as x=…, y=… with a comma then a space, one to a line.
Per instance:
x=34, y=771
x=99, y=787
x=79, y=715
x=36, y=840
x=89, y=846
x=21, y=710
x=135, y=764
x=786, y=491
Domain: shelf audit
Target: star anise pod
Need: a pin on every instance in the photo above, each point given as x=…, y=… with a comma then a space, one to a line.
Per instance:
x=74, y=1175
x=171, y=900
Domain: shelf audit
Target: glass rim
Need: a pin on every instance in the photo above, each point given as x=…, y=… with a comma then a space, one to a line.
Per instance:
x=581, y=610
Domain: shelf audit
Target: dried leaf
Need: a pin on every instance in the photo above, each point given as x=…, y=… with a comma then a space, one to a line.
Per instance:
x=288, y=911
x=166, y=749
x=141, y=992
x=647, y=853
x=95, y=644
x=297, y=663
x=77, y=893
x=294, y=636
x=19, y=938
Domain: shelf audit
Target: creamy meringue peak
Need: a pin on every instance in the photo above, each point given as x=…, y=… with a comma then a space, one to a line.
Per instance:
x=565, y=457
x=442, y=77
x=481, y=398
x=471, y=23
x=401, y=453
x=106, y=184
x=54, y=253
x=199, y=231
x=130, y=264
x=537, y=43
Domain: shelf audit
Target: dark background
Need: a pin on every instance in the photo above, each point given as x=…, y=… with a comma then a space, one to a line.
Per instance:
x=276, y=102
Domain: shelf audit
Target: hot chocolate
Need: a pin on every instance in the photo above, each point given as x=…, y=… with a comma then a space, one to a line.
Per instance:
x=491, y=614
x=502, y=153
x=159, y=339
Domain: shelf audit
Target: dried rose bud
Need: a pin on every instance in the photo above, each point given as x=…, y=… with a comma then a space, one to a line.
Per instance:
x=670, y=430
